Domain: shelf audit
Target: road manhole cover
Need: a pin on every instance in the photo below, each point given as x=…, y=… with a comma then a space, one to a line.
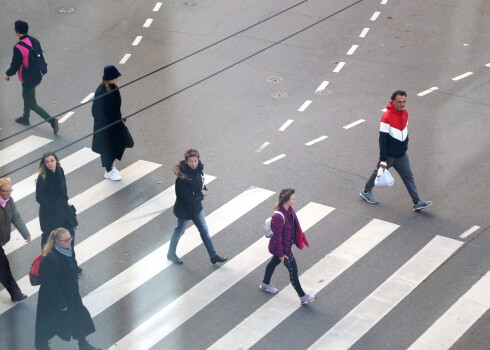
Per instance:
x=66, y=10
x=274, y=80
x=189, y=4
x=323, y=92
x=279, y=95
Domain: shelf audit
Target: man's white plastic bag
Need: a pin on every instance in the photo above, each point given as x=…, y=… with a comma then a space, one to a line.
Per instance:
x=384, y=178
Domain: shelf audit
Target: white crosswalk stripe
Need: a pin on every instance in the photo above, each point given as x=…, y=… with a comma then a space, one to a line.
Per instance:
x=266, y=318
x=188, y=304
x=22, y=148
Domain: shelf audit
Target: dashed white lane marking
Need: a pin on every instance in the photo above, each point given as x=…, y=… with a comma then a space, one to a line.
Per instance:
x=428, y=91
x=322, y=86
x=487, y=65
x=272, y=160
x=383, y=2
x=352, y=49
x=469, y=232
x=65, y=117
x=148, y=23
x=125, y=58
x=286, y=124
x=88, y=98
x=137, y=40
x=261, y=148
x=339, y=67
x=354, y=124
x=375, y=16
x=157, y=7
x=364, y=32
x=312, y=142
x=467, y=74
x=304, y=106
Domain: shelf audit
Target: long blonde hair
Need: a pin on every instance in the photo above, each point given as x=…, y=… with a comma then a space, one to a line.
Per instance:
x=53, y=236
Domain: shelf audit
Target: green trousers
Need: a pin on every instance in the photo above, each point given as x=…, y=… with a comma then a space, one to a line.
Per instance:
x=29, y=96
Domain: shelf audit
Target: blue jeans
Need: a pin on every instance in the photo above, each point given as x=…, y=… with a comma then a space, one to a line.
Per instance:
x=200, y=221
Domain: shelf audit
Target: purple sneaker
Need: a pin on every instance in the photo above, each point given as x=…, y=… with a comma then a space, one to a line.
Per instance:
x=268, y=288
x=305, y=299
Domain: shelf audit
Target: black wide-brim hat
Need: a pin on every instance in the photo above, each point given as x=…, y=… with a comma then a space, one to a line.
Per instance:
x=110, y=72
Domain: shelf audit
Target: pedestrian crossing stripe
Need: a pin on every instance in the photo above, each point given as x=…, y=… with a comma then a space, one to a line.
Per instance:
x=154, y=263
x=283, y=304
x=90, y=197
x=187, y=305
x=22, y=148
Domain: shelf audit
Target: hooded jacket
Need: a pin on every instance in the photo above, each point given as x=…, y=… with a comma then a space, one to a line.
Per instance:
x=393, y=133
x=188, y=186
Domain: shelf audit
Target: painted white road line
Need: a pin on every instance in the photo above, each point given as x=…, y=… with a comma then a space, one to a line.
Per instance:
x=139, y=273
x=383, y=2
x=157, y=7
x=304, y=106
x=469, y=232
x=339, y=67
x=261, y=148
x=283, y=304
x=363, y=33
x=21, y=148
x=375, y=16
x=390, y=293
x=65, y=117
x=428, y=91
x=322, y=86
x=125, y=58
x=457, y=319
x=312, y=142
x=88, y=98
x=354, y=124
x=110, y=235
x=137, y=40
x=286, y=124
x=88, y=198
x=70, y=163
x=272, y=160
x=459, y=77
x=188, y=304
x=352, y=49
x=148, y=23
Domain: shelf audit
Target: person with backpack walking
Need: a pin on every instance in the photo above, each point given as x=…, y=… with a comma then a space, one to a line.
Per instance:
x=286, y=232
x=8, y=216
x=190, y=191
x=111, y=142
x=60, y=310
x=52, y=196
x=25, y=61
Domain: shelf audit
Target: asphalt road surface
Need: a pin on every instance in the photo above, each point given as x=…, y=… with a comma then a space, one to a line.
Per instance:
x=274, y=94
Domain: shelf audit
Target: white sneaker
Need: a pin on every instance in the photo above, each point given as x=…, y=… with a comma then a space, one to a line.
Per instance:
x=114, y=169
x=112, y=175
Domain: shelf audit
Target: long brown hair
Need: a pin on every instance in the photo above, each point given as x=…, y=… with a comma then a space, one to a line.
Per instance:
x=107, y=85
x=53, y=236
x=41, y=170
x=284, y=196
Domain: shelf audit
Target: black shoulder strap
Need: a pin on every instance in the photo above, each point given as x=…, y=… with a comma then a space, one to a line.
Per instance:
x=21, y=43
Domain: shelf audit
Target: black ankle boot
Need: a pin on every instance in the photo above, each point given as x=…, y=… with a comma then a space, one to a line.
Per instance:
x=218, y=259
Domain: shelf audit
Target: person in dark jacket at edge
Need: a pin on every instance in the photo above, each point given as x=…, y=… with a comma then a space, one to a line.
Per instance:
x=111, y=142
x=8, y=216
x=20, y=59
x=60, y=310
x=190, y=190
x=393, y=145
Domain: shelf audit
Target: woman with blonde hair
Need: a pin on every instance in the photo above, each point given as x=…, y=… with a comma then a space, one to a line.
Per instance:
x=287, y=231
x=60, y=310
x=8, y=216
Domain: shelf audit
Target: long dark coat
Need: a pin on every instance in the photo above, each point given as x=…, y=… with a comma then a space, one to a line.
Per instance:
x=52, y=196
x=106, y=110
x=188, y=186
x=59, y=289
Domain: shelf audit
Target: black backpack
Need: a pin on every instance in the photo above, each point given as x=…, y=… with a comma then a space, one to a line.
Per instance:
x=33, y=74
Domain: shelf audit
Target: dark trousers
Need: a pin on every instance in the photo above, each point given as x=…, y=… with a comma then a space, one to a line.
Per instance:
x=293, y=272
x=402, y=167
x=108, y=159
x=6, y=278
x=30, y=103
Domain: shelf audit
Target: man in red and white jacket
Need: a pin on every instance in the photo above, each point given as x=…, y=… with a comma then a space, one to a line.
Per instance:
x=393, y=144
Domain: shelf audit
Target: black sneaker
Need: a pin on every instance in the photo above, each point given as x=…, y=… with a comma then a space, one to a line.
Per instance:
x=19, y=297
x=55, y=125
x=22, y=121
x=218, y=259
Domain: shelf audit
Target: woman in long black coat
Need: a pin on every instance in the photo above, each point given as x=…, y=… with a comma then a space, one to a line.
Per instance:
x=60, y=310
x=111, y=142
x=52, y=196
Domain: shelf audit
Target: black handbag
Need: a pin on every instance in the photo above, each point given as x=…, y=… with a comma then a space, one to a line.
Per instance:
x=128, y=137
x=71, y=215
